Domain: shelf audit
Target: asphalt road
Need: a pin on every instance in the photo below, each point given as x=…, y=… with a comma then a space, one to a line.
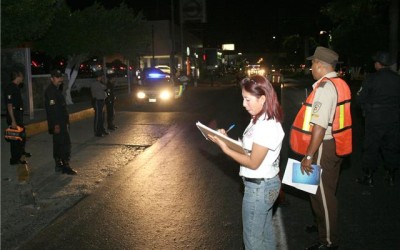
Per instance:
x=180, y=192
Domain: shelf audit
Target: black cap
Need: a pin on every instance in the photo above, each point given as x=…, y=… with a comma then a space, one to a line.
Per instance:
x=56, y=73
x=383, y=58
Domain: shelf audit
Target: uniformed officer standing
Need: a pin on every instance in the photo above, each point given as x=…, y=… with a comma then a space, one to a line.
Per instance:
x=58, y=123
x=379, y=97
x=97, y=89
x=110, y=100
x=15, y=116
x=322, y=132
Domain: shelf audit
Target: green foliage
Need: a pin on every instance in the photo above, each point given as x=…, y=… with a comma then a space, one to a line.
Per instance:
x=360, y=28
x=95, y=31
x=25, y=20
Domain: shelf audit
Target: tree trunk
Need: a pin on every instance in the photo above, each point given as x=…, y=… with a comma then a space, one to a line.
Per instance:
x=71, y=71
x=394, y=31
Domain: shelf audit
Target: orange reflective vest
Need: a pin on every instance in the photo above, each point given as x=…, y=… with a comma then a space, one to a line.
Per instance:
x=300, y=134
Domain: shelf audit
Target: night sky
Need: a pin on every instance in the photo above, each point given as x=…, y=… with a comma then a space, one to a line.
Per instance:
x=248, y=24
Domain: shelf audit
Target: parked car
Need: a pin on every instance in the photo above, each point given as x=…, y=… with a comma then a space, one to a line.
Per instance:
x=155, y=86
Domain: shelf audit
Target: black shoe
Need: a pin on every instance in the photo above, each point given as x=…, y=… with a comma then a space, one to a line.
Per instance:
x=99, y=135
x=311, y=228
x=27, y=154
x=59, y=165
x=69, y=170
x=366, y=180
x=389, y=178
x=16, y=162
x=106, y=133
x=320, y=246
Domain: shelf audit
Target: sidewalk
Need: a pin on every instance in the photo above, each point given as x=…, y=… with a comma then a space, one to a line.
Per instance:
x=33, y=195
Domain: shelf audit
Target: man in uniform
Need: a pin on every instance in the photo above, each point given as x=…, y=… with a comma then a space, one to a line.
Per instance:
x=15, y=116
x=322, y=133
x=379, y=98
x=58, y=123
x=110, y=102
x=97, y=89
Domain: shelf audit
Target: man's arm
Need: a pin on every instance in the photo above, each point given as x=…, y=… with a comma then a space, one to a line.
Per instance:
x=317, y=135
x=11, y=113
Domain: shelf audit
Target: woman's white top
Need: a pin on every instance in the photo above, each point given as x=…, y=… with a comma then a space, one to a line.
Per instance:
x=269, y=134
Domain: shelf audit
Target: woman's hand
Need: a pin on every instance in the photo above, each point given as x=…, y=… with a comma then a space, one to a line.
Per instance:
x=222, y=131
x=219, y=142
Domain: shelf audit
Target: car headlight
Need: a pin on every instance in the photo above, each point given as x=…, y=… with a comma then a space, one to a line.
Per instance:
x=165, y=95
x=141, y=95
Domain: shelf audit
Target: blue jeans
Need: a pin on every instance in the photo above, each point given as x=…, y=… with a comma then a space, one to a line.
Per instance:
x=258, y=201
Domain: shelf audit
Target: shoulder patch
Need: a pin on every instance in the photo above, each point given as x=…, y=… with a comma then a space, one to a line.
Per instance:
x=322, y=84
x=9, y=97
x=52, y=102
x=317, y=106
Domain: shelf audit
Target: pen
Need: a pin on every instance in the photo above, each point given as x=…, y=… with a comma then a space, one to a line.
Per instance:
x=231, y=127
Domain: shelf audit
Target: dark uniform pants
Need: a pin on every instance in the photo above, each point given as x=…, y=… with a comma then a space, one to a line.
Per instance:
x=382, y=140
x=62, y=145
x=99, y=117
x=324, y=202
x=110, y=114
x=17, y=149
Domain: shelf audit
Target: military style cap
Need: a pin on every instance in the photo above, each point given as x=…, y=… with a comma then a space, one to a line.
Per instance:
x=325, y=55
x=56, y=73
x=383, y=58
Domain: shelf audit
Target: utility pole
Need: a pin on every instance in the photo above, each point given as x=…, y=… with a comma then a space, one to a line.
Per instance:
x=183, y=57
x=172, y=30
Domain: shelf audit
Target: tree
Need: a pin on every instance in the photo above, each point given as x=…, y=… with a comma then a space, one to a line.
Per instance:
x=93, y=31
x=295, y=44
x=361, y=28
x=25, y=20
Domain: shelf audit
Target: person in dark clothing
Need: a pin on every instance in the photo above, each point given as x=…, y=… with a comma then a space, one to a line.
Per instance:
x=15, y=117
x=110, y=100
x=97, y=90
x=379, y=98
x=58, y=124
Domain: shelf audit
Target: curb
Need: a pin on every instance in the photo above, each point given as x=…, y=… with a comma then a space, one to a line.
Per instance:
x=39, y=127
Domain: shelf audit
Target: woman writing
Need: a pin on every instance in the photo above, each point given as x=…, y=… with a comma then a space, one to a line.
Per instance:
x=259, y=168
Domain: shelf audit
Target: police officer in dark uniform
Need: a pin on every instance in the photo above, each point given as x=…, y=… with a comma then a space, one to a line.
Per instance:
x=15, y=116
x=58, y=123
x=110, y=100
x=379, y=98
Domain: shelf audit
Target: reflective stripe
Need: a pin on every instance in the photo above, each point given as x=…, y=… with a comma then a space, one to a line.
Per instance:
x=307, y=119
x=341, y=116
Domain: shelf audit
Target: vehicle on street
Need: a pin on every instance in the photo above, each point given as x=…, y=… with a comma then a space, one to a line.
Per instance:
x=164, y=68
x=156, y=86
x=255, y=69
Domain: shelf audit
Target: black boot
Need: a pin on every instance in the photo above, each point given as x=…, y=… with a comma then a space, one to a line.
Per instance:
x=59, y=165
x=389, y=178
x=67, y=169
x=366, y=180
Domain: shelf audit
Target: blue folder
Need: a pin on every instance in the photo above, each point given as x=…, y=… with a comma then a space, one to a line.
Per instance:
x=312, y=179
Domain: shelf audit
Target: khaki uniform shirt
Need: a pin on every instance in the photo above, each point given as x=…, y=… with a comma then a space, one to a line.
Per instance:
x=324, y=104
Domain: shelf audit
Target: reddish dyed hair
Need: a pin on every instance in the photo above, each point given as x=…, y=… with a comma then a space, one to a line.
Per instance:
x=258, y=86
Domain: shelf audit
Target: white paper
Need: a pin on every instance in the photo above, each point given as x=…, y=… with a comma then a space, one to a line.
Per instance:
x=287, y=179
